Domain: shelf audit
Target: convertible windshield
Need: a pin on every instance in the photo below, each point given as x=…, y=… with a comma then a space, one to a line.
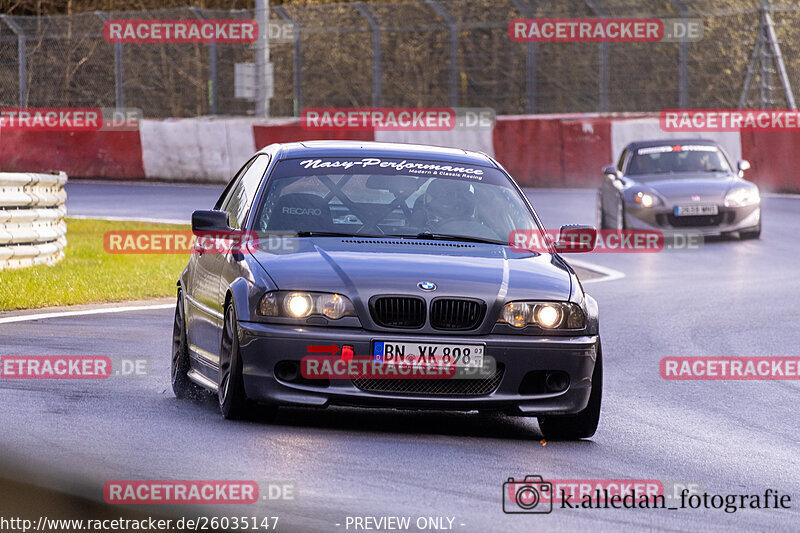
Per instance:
x=392, y=197
x=677, y=159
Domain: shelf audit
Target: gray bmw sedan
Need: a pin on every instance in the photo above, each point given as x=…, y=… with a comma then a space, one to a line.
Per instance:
x=380, y=275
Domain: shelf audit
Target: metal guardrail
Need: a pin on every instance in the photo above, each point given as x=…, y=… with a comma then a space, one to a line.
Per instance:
x=32, y=227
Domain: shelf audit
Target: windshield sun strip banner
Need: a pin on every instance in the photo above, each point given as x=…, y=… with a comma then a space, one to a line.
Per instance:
x=676, y=148
x=423, y=168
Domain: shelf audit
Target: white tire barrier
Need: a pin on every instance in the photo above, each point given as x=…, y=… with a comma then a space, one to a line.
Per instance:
x=32, y=227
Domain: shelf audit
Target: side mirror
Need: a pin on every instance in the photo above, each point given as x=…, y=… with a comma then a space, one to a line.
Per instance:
x=612, y=171
x=576, y=239
x=210, y=221
x=743, y=165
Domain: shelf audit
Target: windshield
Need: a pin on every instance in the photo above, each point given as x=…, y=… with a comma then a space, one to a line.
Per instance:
x=677, y=159
x=391, y=197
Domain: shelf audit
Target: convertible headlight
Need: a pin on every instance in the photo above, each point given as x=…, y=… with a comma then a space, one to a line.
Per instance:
x=297, y=304
x=645, y=200
x=546, y=315
x=742, y=197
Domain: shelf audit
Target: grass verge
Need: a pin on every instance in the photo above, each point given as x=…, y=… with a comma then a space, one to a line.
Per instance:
x=88, y=274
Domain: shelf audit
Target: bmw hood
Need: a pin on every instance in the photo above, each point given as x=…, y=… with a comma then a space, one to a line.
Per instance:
x=362, y=268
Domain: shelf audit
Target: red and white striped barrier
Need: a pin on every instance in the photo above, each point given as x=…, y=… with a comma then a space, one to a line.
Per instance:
x=567, y=150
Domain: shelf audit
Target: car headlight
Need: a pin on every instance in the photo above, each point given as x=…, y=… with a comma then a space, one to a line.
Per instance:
x=333, y=305
x=546, y=315
x=742, y=197
x=517, y=314
x=299, y=304
x=645, y=199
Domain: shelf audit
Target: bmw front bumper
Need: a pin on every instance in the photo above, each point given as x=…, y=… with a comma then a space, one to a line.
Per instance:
x=263, y=346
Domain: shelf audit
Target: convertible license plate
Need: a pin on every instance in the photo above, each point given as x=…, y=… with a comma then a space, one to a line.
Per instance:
x=458, y=355
x=695, y=210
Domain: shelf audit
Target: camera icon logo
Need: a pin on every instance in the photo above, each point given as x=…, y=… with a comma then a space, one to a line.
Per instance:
x=530, y=495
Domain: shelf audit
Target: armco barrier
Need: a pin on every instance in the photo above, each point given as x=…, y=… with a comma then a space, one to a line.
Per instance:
x=32, y=227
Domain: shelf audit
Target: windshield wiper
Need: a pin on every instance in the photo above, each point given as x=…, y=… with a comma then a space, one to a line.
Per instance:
x=426, y=235
x=715, y=170
x=336, y=234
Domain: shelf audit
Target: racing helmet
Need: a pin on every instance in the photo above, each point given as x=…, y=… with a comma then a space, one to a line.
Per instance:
x=447, y=199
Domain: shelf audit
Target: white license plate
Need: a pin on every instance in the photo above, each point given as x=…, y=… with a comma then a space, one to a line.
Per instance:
x=457, y=355
x=695, y=210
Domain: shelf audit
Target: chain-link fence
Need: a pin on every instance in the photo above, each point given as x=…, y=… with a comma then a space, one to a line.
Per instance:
x=433, y=53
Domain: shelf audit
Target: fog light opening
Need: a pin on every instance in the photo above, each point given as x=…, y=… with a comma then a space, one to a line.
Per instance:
x=287, y=371
x=557, y=381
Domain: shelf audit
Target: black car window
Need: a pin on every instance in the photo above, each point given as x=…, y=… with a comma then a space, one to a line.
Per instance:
x=678, y=159
x=223, y=198
x=621, y=161
x=241, y=195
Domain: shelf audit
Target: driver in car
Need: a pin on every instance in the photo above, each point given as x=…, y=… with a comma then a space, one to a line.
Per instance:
x=447, y=201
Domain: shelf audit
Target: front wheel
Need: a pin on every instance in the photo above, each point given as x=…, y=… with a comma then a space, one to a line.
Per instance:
x=230, y=384
x=584, y=424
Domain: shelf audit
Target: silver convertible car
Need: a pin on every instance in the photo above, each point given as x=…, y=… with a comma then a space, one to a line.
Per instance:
x=679, y=185
x=387, y=254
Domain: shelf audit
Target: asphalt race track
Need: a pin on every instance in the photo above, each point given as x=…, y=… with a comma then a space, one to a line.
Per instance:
x=729, y=298
x=131, y=200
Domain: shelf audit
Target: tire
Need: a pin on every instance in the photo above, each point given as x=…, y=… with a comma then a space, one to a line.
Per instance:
x=182, y=386
x=584, y=424
x=230, y=384
x=233, y=401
